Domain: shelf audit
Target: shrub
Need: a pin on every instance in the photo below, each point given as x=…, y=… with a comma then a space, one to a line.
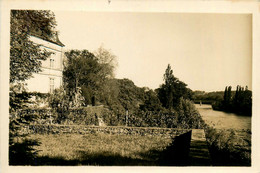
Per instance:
x=225, y=148
x=153, y=119
x=188, y=116
x=185, y=116
x=59, y=102
x=21, y=149
x=82, y=116
x=19, y=97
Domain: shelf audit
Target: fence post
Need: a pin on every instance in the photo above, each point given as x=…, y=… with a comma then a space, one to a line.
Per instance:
x=126, y=117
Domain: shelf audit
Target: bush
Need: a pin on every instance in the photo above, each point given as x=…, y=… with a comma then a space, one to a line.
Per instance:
x=185, y=116
x=225, y=148
x=152, y=119
x=81, y=116
x=21, y=149
x=19, y=97
x=188, y=116
x=59, y=102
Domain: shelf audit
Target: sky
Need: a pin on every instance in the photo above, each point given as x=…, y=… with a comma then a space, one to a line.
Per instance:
x=206, y=51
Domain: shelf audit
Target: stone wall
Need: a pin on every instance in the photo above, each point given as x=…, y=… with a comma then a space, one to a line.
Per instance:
x=82, y=129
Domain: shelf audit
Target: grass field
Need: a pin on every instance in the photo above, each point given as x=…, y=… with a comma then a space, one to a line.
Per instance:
x=100, y=149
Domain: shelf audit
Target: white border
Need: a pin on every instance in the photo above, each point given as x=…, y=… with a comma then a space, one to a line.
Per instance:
x=129, y=6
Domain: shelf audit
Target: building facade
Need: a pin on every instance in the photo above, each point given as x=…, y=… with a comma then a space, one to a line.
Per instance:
x=50, y=76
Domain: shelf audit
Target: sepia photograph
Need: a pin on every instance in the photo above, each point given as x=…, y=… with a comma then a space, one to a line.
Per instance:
x=130, y=88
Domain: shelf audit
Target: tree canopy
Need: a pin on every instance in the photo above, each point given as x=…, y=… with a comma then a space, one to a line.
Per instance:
x=25, y=55
x=89, y=71
x=239, y=101
x=107, y=60
x=172, y=90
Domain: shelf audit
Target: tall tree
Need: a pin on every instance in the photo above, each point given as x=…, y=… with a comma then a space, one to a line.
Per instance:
x=107, y=60
x=225, y=96
x=25, y=55
x=25, y=59
x=229, y=96
x=92, y=72
x=80, y=71
x=172, y=90
x=240, y=103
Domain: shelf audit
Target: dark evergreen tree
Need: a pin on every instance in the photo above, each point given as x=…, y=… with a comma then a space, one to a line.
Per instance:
x=225, y=96
x=240, y=103
x=229, y=97
x=235, y=99
x=172, y=90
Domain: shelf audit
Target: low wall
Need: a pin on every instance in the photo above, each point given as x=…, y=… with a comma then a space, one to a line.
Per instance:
x=82, y=129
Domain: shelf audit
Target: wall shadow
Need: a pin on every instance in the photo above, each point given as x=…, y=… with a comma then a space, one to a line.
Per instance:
x=177, y=154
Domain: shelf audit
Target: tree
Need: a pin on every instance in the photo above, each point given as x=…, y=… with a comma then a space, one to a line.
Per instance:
x=26, y=56
x=151, y=101
x=107, y=60
x=241, y=102
x=81, y=70
x=188, y=116
x=229, y=96
x=90, y=72
x=172, y=90
x=225, y=96
x=25, y=59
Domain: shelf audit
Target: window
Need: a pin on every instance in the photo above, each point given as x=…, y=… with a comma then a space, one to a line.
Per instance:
x=51, y=63
x=51, y=85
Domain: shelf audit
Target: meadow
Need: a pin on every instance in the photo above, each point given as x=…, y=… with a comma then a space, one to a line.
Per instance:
x=100, y=149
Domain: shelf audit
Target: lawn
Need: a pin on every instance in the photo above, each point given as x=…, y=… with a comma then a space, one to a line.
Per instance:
x=100, y=149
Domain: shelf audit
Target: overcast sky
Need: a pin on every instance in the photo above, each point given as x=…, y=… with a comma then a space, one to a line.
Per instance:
x=206, y=51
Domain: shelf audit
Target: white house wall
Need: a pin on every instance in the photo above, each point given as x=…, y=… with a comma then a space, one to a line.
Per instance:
x=40, y=82
x=57, y=56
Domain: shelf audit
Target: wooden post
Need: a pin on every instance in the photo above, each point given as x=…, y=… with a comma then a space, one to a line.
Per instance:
x=126, y=117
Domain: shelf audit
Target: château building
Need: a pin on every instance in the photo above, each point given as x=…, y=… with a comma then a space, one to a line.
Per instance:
x=50, y=76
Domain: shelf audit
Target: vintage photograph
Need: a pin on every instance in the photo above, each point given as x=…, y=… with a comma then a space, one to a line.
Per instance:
x=130, y=88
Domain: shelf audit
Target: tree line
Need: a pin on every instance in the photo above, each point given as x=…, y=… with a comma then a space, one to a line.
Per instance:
x=88, y=76
x=239, y=101
x=207, y=97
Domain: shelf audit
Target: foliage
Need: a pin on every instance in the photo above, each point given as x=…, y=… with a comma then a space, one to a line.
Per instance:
x=59, y=102
x=225, y=148
x=153, y=119
x=207, y=97
x=26, y=56
x=25, y=59
x=188, y=116
x=227, y=96
x=151, y=102
x=18, y=97
x=185, y=116
x=239, y=102
x=83, y=70
x=121, y=95
x=172, y=90
x=107, y=61
x=40, y=115
x=87, y=115
x=21, y=149
x=129, y=96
